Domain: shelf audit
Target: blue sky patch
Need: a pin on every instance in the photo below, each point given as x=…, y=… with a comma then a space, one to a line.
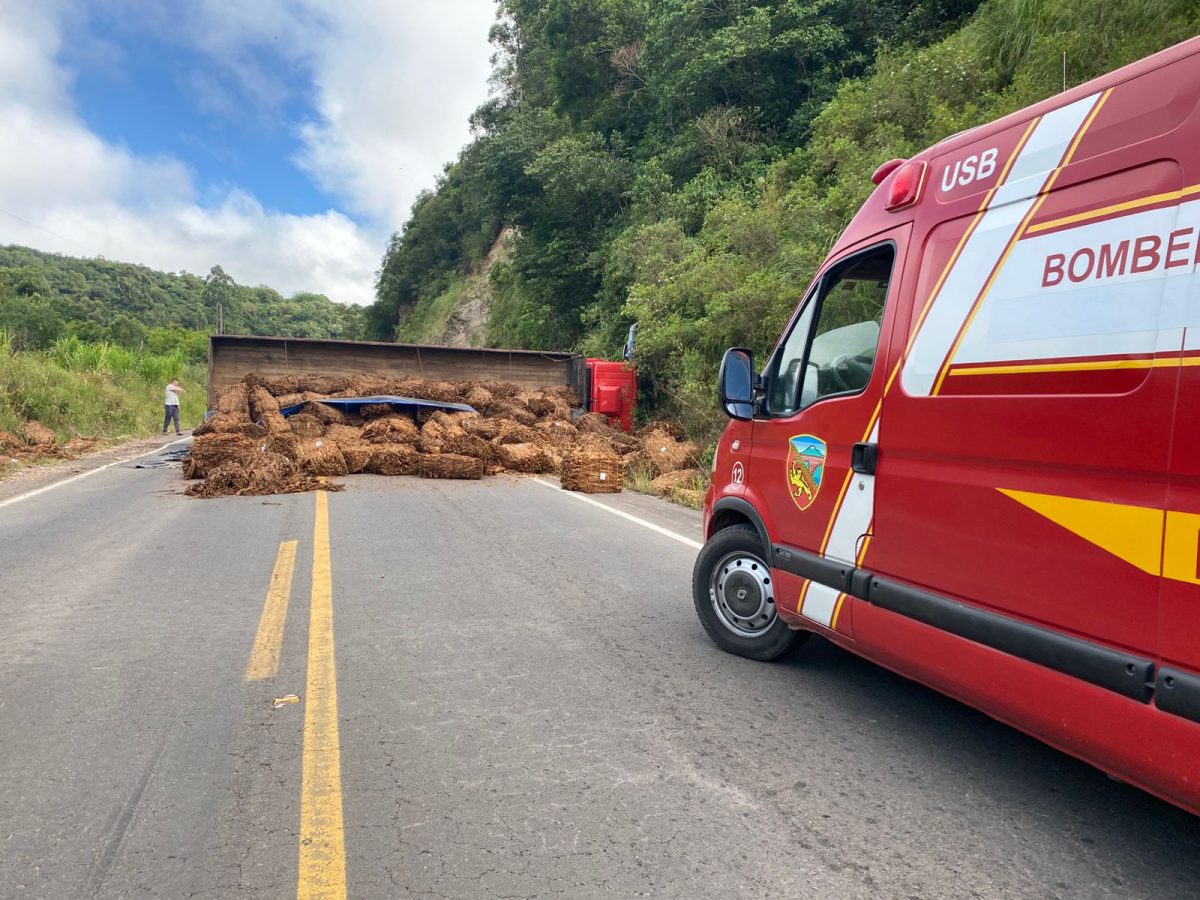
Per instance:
x=159, y=97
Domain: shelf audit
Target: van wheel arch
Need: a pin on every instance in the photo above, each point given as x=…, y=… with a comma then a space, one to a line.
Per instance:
x=729, y=512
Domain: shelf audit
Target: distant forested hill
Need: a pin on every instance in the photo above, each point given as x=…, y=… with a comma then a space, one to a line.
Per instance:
x=687, y=163
x=45, y=296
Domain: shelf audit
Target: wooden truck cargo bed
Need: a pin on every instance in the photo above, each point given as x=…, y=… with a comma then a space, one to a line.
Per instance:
x=232, y=357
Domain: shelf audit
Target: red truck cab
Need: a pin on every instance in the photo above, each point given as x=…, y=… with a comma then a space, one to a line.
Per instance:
x=613, y=391
x=969, y=457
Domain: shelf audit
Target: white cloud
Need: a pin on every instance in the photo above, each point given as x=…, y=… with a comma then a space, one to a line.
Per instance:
x=394, y=96
x=327, y=252
x=392, y=85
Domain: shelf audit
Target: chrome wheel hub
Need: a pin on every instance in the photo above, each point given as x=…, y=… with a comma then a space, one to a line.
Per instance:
x=742, y=594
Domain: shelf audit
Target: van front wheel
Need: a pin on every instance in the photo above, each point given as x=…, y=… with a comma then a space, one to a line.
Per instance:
x=734, y=594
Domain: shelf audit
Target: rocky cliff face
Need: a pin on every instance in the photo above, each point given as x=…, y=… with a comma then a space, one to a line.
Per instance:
x=467, y=325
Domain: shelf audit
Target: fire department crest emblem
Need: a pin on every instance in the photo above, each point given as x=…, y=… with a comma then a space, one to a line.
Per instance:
x=805, y=468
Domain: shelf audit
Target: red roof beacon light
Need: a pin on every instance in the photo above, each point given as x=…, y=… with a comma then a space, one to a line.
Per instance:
x=905, y=189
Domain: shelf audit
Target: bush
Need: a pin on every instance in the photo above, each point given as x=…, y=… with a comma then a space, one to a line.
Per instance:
x=737, y=281
x=89, y=389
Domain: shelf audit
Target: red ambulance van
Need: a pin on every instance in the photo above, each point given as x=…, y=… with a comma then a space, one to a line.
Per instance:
x=974, y=455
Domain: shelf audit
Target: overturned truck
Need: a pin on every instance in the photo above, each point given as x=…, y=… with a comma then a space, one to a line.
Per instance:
x=274, y=429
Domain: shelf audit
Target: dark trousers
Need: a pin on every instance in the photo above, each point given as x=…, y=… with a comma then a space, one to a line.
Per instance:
x=170, y=414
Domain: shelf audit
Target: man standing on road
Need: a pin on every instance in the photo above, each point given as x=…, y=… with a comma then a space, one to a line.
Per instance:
x=171, y=406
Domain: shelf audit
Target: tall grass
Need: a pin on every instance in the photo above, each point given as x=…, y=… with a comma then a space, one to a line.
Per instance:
x=1012, y=34
x=100, y=390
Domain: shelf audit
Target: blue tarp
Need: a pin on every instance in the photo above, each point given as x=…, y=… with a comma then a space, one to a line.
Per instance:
x=400, y=404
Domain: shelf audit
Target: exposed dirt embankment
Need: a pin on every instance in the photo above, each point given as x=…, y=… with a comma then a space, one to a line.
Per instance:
x=467, y=325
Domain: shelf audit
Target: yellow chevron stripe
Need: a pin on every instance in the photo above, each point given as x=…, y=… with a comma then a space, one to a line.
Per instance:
x=1180, y=545
x=1157, y=541
x=1132, y=533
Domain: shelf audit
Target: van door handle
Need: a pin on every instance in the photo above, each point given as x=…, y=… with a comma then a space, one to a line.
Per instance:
x=864, y=458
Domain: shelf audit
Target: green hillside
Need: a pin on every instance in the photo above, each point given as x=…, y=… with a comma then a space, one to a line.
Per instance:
x=45, y=297
x=86, y=345
x=686, y=164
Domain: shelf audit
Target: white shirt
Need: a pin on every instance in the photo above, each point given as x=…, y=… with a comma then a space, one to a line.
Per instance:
x=172, y=398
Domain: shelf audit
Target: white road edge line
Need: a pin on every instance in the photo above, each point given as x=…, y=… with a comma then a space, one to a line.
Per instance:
x=82, y=475
x=695, y=545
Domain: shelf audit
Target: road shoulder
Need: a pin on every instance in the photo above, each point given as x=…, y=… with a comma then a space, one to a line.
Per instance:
x=658, y=511
x=36, y=477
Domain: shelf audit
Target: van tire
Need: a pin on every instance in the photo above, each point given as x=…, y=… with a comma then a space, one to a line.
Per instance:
x=733, y=557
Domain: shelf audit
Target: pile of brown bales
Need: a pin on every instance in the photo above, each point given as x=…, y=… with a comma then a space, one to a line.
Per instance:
x=248, y=447
x=682, y=486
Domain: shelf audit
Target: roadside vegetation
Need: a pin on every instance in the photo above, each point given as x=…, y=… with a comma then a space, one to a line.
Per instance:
x=89, y=390
x=687, y=165
x=45, y=296
x=88, y=344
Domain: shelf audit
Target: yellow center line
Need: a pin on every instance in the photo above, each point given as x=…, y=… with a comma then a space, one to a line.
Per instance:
x=264, y=658
x=322, y=869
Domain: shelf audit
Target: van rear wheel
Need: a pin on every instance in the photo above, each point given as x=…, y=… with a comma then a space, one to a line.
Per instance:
x=734, y=594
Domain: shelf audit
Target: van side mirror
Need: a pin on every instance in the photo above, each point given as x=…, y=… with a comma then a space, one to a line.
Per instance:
x=735, y=384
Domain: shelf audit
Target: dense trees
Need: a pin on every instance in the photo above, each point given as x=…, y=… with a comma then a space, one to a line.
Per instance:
x=612, y=114
x=44, y=297
x=686, y=163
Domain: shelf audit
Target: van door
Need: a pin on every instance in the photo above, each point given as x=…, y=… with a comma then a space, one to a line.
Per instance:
x=1177, y=685
x=1028, y=437
x=823, y=387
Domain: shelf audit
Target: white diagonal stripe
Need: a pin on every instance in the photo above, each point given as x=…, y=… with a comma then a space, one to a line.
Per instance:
x=1033, y=167
x=853, y=520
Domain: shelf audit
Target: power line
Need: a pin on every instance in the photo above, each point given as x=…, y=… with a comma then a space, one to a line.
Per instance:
x=61, y=237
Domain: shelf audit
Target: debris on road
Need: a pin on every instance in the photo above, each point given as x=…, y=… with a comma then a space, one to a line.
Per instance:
x=280, y=436
x=284, y=701
x=163, y=460
x=39, y=443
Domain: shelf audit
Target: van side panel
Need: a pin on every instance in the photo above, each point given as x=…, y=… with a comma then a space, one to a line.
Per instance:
x=989, y=477
x=1082, y=307
x=1179, y=694
x=1031, y=464
x=1129, y=739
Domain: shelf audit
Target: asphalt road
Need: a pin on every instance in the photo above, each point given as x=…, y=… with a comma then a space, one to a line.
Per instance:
x=516, y=701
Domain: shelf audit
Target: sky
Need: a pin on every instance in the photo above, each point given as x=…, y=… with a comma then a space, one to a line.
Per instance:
x=284, y=140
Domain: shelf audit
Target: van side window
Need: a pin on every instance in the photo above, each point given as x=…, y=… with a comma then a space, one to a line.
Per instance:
x=785, y=383
x=840, y=356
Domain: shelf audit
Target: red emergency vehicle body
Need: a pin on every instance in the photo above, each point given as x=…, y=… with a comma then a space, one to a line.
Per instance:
x=1026, y=540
